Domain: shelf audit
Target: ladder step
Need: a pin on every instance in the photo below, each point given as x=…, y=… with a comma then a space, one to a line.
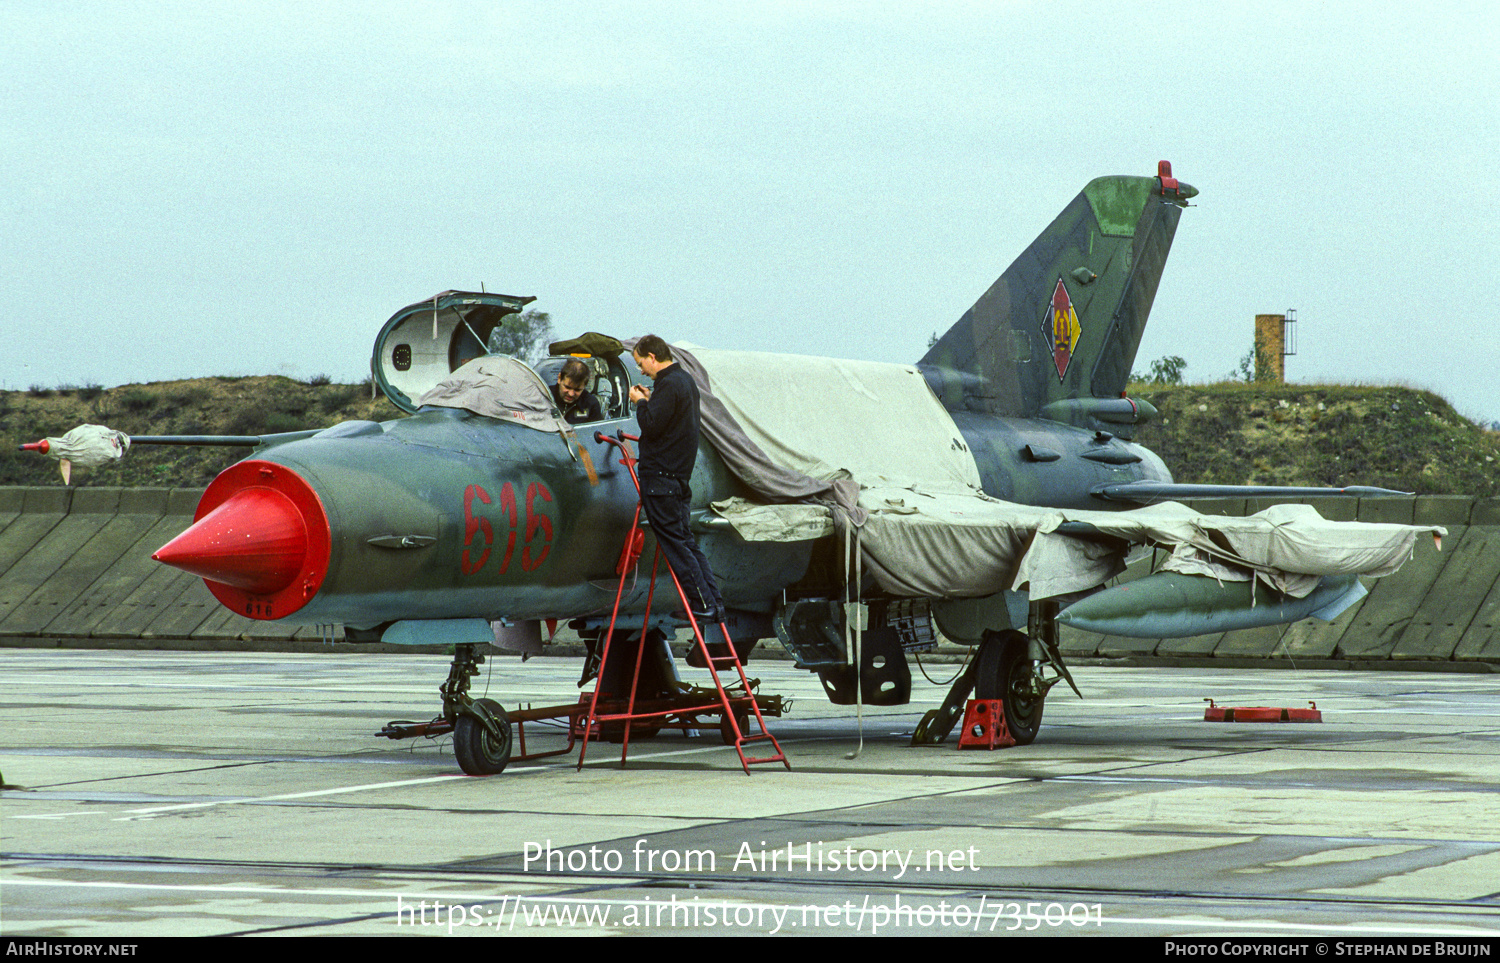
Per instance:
x=728, y=698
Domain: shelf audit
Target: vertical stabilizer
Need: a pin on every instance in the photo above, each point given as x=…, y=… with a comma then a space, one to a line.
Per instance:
x=1060, y=327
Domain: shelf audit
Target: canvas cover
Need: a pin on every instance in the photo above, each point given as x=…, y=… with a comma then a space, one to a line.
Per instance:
x=951, y=547
x=898, y=470
x=498, y=386
x=89, y=446
x=828, y=418
x=589, y=343
x=773, y=482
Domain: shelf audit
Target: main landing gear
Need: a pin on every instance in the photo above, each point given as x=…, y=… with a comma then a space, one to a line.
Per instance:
x=1017, y=668
x=1004, y=671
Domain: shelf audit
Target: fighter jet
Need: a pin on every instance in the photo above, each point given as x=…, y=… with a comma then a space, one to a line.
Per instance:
x=851, y=510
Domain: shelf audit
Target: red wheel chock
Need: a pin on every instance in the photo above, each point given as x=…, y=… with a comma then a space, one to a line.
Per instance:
x=1216, y=713
x=984, y=726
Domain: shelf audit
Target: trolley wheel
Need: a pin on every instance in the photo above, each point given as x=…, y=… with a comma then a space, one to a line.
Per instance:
x=726, y=728
x=639, y=729
x=478, y=752
x=1006, y=673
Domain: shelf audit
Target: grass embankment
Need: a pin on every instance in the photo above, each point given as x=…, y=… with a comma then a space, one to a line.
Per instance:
x=200, y=406
x=1335, y=435
x=1224, y=434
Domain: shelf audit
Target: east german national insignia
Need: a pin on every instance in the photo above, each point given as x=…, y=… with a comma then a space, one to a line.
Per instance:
x=1063, y=327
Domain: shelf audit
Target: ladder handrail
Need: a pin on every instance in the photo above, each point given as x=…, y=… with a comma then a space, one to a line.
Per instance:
x=713, y=663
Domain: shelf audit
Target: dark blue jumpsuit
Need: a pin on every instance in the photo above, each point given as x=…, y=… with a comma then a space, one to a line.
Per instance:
x=669, y=448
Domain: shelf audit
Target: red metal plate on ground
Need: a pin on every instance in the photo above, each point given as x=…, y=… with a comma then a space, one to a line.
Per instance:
x=1260, y=714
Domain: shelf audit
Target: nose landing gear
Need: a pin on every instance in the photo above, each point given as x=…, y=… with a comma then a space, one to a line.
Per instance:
x=480, y=727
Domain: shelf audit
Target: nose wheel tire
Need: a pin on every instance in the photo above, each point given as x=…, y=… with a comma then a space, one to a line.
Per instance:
x=1005, y=672
x=479, y=752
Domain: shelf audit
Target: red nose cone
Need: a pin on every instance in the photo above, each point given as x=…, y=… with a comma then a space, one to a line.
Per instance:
x=255, y=541
x=261, y=540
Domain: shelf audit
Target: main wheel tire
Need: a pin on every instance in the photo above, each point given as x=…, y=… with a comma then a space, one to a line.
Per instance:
x=1005, y=673
x=478, y=752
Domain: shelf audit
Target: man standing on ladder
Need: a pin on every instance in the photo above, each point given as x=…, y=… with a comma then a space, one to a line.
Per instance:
x=668, y=416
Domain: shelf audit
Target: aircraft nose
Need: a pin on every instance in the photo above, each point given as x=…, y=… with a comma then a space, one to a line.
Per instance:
x=256, y=541
x=260, y=542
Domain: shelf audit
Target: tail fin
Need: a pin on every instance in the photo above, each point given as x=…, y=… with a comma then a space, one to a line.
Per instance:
x=1060, y=327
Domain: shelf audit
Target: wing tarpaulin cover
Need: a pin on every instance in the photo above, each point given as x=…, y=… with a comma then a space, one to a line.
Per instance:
x=875, y=448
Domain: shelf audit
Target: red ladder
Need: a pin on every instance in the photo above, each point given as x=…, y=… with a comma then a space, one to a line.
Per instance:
x=733, y=710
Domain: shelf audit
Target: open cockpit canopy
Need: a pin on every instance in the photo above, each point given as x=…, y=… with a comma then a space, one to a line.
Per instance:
x=424, y=343
x=440, y=352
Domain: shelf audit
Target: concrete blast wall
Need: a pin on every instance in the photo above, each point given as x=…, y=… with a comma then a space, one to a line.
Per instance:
x=75, y=565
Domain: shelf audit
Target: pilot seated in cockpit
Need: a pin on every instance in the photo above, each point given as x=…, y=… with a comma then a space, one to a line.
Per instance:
x=576, y=402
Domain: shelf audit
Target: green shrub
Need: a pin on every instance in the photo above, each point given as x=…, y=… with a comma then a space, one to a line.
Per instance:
x=280, y=421
x=135, y=399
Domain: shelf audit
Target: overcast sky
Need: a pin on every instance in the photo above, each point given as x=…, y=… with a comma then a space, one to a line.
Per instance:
x=254, y=188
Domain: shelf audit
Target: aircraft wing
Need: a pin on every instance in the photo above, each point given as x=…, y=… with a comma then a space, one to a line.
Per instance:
x=933, y=544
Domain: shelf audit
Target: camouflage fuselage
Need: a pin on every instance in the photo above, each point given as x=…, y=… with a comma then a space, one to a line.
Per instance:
x=448, y=515
x=1036, y=462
